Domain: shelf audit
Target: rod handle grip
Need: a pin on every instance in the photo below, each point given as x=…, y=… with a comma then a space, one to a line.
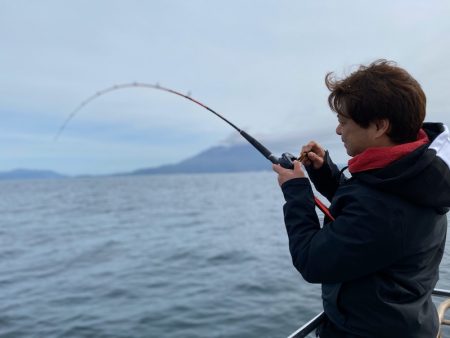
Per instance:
x=263, y=150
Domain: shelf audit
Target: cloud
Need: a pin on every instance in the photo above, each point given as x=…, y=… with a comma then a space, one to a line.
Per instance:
x=262, y=67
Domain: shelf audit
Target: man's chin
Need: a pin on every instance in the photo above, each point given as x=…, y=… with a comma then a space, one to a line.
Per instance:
x=349, y=152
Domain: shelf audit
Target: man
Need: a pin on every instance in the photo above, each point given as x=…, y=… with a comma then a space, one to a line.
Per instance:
x=378, y=258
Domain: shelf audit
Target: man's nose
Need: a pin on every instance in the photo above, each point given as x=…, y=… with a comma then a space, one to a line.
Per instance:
x=339, y=129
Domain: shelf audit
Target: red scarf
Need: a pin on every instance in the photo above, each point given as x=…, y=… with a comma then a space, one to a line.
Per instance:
x=380, y=157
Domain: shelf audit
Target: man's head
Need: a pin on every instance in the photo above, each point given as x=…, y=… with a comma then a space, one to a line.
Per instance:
x=382, y=100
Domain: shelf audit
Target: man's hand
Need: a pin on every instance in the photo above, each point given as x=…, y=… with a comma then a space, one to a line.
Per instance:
x=315, y=155
x=285, y=175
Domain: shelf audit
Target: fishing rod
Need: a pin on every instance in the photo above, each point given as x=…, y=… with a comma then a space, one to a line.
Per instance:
x=286, y=160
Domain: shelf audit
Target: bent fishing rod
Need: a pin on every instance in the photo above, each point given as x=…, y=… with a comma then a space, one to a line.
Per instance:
x=286, y=160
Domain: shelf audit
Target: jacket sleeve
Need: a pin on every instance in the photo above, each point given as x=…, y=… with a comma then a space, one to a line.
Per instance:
x=360, y=241
x=327, y=178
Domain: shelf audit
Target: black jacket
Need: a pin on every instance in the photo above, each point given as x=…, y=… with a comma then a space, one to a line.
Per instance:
x=378, y=261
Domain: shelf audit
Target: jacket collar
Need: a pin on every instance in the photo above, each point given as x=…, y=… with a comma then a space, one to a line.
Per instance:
x=380, y=157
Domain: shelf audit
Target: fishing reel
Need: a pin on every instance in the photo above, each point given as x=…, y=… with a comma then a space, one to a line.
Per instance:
x=287, y=160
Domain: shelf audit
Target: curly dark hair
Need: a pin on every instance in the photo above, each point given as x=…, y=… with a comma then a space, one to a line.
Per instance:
x=381, y=90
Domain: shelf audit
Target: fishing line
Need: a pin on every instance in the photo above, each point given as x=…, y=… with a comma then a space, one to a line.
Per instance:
x=286, y=160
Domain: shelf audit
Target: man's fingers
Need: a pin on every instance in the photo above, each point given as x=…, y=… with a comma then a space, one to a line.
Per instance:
x=316, y=160
x=297, y=166
x=307, y=148
x=314, y=157
x=276, y=168
x=285, y=175
x=310, y=146
x=279, y=169
x=312, y=153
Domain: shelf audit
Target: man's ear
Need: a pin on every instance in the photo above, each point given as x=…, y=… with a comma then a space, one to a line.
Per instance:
x=383, y=126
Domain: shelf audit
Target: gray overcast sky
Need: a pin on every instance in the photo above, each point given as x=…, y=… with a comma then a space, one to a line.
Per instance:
x=260, y=63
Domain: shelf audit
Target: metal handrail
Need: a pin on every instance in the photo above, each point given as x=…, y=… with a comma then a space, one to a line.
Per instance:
x=441, y=293
x=309, y=326
x=318, y=319
x=443, y=307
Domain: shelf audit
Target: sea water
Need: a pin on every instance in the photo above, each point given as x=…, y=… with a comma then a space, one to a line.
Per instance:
x=151, y=256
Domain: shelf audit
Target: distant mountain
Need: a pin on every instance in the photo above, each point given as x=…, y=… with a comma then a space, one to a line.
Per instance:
x=240, y=157
x=218, y=159
x=21, y=174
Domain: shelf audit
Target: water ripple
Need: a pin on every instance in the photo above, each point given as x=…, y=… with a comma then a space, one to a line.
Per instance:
x=173, y=256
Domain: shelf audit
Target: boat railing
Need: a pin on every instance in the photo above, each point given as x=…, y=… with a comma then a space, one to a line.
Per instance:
x=314, y=323
x=442, y=308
